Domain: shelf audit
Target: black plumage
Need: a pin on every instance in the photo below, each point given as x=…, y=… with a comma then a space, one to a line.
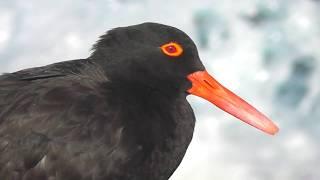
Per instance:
x=119, y=114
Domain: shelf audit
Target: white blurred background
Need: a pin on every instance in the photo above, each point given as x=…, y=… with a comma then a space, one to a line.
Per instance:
x=267, y=51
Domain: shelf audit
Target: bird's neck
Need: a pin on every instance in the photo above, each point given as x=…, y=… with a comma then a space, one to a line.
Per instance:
x=146, y=91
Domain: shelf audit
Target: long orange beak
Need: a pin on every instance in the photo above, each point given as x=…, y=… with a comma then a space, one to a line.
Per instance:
x=205, y=86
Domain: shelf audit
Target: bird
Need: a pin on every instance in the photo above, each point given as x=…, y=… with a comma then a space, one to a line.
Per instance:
x=119, y=114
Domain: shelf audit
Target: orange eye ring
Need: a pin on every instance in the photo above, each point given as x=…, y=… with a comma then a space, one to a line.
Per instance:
x=172, y=49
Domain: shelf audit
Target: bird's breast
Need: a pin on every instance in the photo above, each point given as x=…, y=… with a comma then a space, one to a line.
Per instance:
x=157, y=131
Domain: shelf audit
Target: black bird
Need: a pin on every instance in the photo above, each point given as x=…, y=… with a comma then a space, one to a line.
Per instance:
x=120, y=114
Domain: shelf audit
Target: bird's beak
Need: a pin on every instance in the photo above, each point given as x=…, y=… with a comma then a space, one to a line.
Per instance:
x=205, y=86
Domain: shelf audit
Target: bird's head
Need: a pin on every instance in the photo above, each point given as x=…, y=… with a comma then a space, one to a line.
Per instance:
x=165, y=58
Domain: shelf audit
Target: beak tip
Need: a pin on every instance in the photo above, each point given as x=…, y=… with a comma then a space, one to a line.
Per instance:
x=273, y=130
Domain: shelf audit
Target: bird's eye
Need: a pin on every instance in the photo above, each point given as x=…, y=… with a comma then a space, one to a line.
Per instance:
x=172, y=49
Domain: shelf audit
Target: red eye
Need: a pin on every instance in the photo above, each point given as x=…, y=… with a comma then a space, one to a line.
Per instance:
x=172, y=49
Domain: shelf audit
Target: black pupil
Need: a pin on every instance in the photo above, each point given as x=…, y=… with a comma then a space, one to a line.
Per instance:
x=171, y=49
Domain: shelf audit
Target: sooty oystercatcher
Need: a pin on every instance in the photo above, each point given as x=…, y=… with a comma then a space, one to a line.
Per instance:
x=120, y=114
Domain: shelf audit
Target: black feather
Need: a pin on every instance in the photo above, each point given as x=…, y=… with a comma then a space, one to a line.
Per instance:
x=108, y=117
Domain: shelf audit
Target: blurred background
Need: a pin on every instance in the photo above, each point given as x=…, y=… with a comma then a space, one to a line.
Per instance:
x=267, y=51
